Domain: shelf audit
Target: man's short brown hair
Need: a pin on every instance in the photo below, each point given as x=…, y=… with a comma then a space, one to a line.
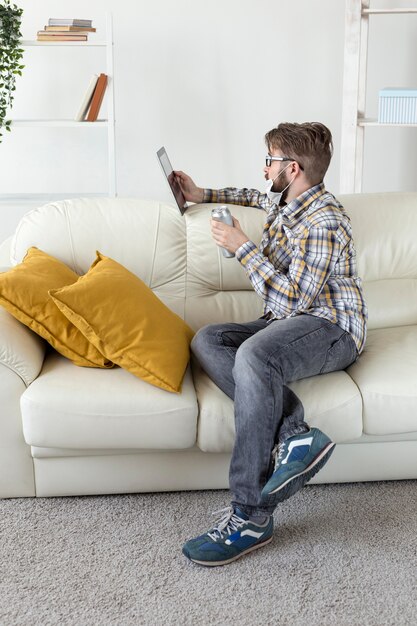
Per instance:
x=310, y=144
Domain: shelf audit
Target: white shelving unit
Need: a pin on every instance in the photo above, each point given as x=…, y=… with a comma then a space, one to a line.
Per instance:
x=354, y=121
x=108, y=123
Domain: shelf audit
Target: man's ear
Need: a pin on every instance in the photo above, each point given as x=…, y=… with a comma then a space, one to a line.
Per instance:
x=295, y=168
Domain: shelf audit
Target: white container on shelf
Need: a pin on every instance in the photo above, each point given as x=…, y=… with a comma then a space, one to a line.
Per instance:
x=397, y=106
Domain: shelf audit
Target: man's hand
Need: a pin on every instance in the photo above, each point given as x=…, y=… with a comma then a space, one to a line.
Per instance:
x=191, y=192
x=229, y=237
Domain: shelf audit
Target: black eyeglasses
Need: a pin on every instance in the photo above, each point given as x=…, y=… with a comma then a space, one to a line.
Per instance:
x=269, y=159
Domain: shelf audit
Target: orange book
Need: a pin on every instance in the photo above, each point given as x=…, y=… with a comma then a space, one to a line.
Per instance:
x=97, y=98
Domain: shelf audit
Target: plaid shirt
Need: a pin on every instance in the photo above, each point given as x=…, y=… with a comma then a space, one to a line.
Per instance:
x=306, y=261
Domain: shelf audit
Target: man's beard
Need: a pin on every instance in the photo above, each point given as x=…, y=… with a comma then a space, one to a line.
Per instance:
x=280, y=184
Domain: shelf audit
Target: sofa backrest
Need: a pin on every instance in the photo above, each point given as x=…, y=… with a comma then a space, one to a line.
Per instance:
x=384, y=229
x=145, y=236
x=218, y=289
x=178, y=259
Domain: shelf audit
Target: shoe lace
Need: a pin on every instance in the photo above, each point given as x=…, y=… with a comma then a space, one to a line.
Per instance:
x=278, y=453
x=227, y=524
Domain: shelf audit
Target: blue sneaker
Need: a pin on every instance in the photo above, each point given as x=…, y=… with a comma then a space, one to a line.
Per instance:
x=233, y=536
x=297, y=460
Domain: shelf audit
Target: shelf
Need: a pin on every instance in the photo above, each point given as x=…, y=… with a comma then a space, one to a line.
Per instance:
x=354, y=120
x=387, y=11
x=34, y=198
x=85, y=44
x=372, y=122
x=61, y=123
x=106, y=45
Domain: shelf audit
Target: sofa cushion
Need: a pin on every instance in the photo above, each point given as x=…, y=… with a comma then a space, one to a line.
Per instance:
x=332, y=402
x=24, y=293
x=72, y=407
x=384, y=226
x=386, y=374
x=218, y=289
x=122, y=317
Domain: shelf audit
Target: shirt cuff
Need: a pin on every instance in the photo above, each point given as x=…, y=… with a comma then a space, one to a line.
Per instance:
x=246, y=252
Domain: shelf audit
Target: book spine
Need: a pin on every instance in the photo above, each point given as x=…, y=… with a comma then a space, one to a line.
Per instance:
x=64, y=22
x=71, y=29
x=87, y=99
x=97, y=98
x=60, y=38
x=64, y=33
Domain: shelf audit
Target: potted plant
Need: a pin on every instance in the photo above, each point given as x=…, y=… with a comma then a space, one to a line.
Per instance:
x=10, y=57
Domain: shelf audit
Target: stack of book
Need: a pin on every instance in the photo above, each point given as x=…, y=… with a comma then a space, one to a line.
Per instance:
x=93, y=97
x=66, y=30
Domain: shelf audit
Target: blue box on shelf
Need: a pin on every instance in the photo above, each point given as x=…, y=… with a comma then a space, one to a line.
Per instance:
x=397, y=106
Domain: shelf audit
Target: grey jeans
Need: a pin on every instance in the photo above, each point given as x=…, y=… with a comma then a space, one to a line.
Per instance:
x=252, y=363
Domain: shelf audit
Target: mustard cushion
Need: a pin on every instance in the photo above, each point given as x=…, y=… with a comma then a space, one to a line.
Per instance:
x=128, y=323
x=24, y=294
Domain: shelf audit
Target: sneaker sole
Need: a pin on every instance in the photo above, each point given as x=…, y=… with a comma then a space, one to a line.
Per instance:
x=215, y=563
x=310, y=471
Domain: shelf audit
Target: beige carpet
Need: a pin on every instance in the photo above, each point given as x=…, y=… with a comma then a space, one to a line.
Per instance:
x=341, y=554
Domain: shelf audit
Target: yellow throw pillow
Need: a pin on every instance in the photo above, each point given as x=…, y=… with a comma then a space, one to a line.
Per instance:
x=24, y=294
x=128, y=323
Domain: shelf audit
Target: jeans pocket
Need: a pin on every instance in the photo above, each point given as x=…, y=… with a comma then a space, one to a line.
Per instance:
x=340, y=355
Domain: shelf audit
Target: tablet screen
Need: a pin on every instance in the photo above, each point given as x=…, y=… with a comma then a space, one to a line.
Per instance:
x=170, y=176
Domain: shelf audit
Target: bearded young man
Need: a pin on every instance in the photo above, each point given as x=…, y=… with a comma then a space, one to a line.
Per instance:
x=314, y=322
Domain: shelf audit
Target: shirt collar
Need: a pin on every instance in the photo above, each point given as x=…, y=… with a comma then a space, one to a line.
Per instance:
x=293, y=208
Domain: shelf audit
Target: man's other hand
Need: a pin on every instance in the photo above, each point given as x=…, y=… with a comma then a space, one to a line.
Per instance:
x=229, y=237
x=191, y=192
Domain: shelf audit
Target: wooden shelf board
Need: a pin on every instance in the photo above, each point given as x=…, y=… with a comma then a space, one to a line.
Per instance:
x=60, y=123
x=85, y=44
x=373, y=122
x=387, y=11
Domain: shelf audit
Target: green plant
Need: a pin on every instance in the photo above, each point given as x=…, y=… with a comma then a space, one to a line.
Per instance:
x=10, y=57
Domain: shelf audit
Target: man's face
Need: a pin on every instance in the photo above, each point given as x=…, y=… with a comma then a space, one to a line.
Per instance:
x=278, y=172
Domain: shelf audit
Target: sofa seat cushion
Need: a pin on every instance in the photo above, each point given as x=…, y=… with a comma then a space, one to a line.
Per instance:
x=86, y=408
x=386, y=374
x=332, y=402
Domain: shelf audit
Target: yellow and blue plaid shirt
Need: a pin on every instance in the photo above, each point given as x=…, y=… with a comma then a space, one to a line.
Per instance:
x=306, y=261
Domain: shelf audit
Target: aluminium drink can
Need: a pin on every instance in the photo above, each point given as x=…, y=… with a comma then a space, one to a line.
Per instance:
x=222, y=214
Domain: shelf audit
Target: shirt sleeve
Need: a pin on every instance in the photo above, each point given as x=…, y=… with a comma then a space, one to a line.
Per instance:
x=243, y=197
x=315, y=255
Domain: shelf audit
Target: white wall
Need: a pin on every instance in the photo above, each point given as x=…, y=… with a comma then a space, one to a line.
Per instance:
x=205, y=79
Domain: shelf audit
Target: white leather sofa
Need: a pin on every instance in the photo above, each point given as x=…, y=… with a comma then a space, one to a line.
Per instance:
x=67, y=430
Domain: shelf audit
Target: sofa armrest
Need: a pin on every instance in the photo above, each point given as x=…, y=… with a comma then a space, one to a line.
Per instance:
x=21, y=350
x=21, y=357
